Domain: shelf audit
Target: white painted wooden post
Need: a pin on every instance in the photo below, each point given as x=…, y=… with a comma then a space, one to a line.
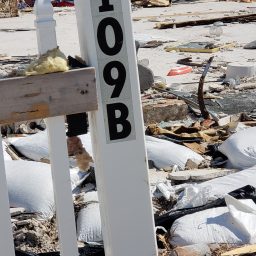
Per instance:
x=106, y=42
x=46, y=37
x=6, y=237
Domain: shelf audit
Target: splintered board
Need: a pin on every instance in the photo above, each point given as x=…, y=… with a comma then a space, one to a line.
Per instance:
x=249, y=249
x=199, y=47
x=200, y=22
x=56, y=94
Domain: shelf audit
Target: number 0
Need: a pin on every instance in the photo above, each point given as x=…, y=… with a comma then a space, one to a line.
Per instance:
x=102, y=39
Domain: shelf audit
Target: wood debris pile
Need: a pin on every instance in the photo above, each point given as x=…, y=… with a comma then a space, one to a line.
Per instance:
x=8, y=8
x=151, y=3
x=34, y=235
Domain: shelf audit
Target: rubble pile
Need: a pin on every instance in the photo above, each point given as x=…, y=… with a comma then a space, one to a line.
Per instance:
x=151, y=3
x=8, y=8
x=33, y=235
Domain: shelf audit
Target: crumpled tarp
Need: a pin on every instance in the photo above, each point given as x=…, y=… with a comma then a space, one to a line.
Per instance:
x=167, y=219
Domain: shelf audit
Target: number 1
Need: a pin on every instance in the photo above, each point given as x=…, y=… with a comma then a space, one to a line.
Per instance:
x=106, y=7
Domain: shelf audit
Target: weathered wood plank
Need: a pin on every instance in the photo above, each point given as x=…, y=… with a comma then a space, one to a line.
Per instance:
x=248, y=249
x=171, y=15
x=236, y=18
x=33, y=97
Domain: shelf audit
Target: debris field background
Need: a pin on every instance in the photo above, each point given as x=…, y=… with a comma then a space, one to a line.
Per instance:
x=188, y=154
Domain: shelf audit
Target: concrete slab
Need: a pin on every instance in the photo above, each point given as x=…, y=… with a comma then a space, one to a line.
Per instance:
x=157, y=176
x=156, y=111
x=16, y=211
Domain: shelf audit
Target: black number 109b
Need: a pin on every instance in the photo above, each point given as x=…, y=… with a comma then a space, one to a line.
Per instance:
x=117, y=112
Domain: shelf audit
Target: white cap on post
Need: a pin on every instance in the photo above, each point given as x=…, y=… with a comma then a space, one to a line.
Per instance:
x=45, y=26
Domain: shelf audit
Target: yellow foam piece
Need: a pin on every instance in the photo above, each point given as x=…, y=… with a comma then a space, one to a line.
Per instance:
x=51, y=62
x=198, y=50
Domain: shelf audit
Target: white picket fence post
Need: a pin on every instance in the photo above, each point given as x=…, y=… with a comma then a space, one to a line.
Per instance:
x=6, y=237
x=106, y=42
x=46, y=36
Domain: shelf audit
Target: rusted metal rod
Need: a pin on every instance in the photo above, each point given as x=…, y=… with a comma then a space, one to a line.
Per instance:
x=201, y=103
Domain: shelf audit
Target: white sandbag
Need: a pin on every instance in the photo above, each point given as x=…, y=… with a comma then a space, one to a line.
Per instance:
x=240, y=149
x=224, y=185
x=88, y=220
x=166, y=153
x=30, y=186
x=35, y=147
x=234, y=224
x=89, y=224
x=209, y=226
x=163, y=153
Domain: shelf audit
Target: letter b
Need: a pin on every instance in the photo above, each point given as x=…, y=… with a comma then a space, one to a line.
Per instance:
x=114, y=121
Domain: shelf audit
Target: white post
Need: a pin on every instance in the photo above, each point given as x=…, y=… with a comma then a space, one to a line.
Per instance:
x=46, y=37
x=6, y=237
x=106, y=42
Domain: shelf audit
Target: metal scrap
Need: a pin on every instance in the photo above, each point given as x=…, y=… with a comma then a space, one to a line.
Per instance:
x=201, y=103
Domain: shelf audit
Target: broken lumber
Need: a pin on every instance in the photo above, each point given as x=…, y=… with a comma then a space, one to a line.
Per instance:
x=246, y=86
x=200, y=174
x=237, y=18
x=178, y=15
x=241, y=251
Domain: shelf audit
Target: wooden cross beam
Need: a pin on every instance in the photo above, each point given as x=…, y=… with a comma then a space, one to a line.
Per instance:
x=56, y=94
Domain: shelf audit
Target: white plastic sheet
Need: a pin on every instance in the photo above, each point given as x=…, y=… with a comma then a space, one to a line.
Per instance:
x=200, y=194
x=194, y=196
x=224, y=185
x=243, y=213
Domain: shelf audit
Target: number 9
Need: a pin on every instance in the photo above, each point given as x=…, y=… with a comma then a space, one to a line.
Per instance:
x=117, y=82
